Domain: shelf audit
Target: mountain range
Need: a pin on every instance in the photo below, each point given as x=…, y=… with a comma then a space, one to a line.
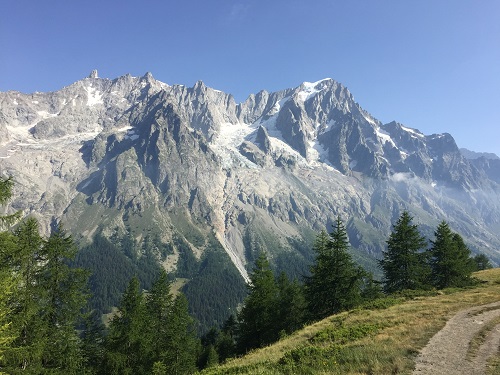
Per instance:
x=136, y=157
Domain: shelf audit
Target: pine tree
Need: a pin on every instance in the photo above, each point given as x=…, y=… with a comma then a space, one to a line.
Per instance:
x=126, y=343
x=371, y=289
x=403, y=264
x=226, y=341
x=65, y=298
x=482, y=262
x=316, y=289
x=449, y=259
x=7, y=287
x=291, y=306
x=180, y=356
x=26, y=351
x=6, y=185
x=7, y=281
x=256, y=318
x=92, y=337
x=159, y=306
x=336, y=280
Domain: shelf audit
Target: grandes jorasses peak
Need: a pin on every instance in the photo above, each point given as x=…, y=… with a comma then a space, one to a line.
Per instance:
x=135, y=154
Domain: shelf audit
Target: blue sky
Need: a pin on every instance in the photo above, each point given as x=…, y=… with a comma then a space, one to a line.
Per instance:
x=433, y=65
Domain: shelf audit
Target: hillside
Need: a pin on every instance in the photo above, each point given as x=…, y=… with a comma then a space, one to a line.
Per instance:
x=380, y=339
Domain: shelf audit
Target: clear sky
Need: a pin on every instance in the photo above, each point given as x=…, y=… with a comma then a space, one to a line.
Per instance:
x=433, y=65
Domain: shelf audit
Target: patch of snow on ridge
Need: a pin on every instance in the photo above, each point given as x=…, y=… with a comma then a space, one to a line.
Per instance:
x=278, y=144
x=309, y=90
x=123, y=129
x=412, y=132
x=369, y=119
x=94, y=96
x=317, y=152
x=384, y=136
x=45, y=114
x=278, y=105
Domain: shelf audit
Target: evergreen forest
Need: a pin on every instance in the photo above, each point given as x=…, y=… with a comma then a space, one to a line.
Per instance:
x=52, y=304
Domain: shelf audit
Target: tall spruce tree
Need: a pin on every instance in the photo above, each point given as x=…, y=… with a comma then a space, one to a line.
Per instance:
x=170, y=329
x=336, y=280
x=226, y=341
x=25, y=353
x=7, y=281
x=290, y=306
x=180, y=355
x=403, y=263
x=65, y=297
x=450, y=260
x=7, y=287
x=256, y=318
x=159, y=306
x=92, y=337
x=6, y=185
x=126, y=347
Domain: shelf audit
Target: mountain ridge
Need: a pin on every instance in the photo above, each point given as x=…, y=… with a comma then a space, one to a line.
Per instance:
x=102, y=153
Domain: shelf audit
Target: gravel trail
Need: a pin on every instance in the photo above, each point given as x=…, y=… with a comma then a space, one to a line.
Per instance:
x=446, y=352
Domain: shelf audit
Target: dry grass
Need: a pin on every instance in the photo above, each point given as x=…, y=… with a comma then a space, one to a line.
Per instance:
x=481, y=336
x=493, y=367
x=389, y=345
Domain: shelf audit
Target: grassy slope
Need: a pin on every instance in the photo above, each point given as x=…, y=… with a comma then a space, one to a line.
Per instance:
x=368, y=341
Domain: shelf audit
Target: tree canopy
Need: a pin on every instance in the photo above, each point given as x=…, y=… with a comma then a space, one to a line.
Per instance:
x=403, y=262
x=336, y=280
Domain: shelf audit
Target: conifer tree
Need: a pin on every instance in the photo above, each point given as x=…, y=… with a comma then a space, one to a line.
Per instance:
x=449, y=259
x=7, y=282
x=315, y=289
x=159, y=305
x=336, y=280
x=226, y=341
x=126, y=345
x=6, y=185
x=291, y=306
x=92, y=337
x=180, y=356
x=482, y=262
x=25, y=353
x=256, y=318
x=403, y=263
x=65, y=298
x=7, y=334
x=209, y=343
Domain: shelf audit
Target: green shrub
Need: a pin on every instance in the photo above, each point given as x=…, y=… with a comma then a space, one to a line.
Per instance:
x=344, y=335
x=382, y=303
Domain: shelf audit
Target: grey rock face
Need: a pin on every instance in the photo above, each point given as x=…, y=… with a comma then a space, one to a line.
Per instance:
x=107, y=153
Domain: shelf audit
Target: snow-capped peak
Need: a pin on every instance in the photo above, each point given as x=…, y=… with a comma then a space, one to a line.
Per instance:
x=308, y=89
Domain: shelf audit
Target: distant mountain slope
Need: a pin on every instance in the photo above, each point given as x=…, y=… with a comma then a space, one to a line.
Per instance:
x=476, y=155
x=137, y=158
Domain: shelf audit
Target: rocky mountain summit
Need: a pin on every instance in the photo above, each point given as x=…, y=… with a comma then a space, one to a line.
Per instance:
x=138, y=156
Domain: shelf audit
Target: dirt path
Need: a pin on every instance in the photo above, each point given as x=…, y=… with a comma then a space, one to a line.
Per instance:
x=446, y=353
